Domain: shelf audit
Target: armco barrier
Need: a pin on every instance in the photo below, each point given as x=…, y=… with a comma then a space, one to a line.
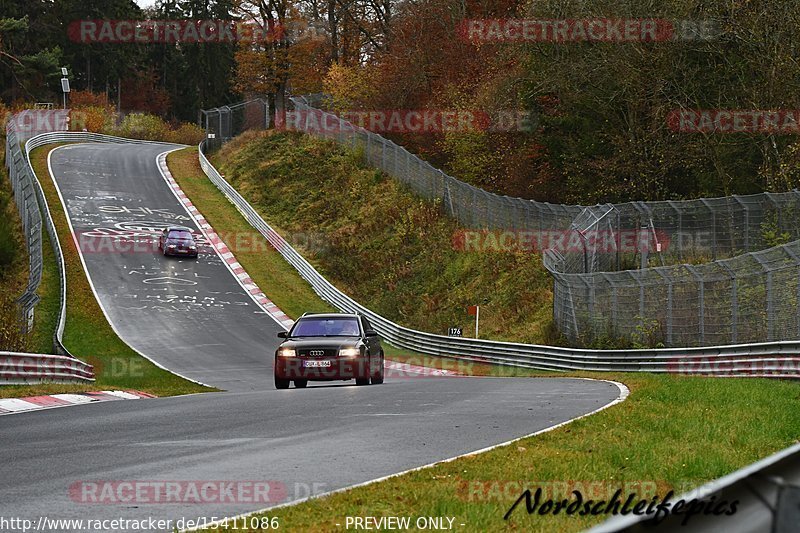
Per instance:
x=768, y=495
x=31, y=217
x=591, y=250
x=46, y=368
x=775, y=359
x=27, y=368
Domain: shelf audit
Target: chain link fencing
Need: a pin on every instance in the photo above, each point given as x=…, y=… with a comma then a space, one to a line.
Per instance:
x=674, y=273
x=678, y=273
x=224, y=123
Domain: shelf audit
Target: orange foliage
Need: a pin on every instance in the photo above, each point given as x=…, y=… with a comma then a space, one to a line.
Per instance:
x=142, y=93
x=87, y=99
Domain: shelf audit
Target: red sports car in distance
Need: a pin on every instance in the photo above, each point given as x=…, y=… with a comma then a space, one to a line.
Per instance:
x=177, y=240
x=329, y=347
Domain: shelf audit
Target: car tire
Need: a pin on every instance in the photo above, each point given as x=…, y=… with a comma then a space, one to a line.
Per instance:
x=377, y=379
x=362, y=381
x=300, y=383
x=281, y=383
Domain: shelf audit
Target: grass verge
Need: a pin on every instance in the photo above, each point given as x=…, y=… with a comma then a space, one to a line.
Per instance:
x=277, y=278
x=381, y=244
x=13, y=266
x=87, y=333
x=46, y=314
x=14, y=276
x=673, y=432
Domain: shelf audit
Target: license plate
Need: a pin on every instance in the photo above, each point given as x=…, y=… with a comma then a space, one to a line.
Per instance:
x=316, y=364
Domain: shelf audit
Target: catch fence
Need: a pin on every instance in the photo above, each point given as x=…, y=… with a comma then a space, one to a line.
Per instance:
x=698, y=272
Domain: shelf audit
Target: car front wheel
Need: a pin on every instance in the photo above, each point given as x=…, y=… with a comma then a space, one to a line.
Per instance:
x=281, y=383
x=300, y=383
x=377, y=378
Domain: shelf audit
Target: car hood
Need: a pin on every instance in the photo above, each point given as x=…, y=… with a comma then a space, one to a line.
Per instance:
x=320, y=342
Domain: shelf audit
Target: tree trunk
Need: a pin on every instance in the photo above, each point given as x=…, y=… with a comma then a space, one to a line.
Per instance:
x=333, y=29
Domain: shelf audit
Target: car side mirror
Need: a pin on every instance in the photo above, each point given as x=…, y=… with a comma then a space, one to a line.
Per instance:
x=283, y=334
x=371, y=333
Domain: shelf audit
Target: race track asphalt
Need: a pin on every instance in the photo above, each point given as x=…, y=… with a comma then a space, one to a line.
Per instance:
x=193, y=317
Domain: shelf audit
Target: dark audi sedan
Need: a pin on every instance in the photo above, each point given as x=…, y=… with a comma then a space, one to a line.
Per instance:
x=329, y=347
x=177, y=240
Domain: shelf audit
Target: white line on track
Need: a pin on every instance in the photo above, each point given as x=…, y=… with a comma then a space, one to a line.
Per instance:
x=86, y=270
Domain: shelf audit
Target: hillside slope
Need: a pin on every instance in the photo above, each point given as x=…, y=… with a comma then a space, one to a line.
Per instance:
x=384, y=246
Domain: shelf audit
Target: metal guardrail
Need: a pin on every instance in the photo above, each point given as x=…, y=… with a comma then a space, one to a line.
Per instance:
x=31, y=217
x=21, y=127
x=22, y=368
x=776, y=359
x=601, y=257
x=767, y=492
x=26, y=368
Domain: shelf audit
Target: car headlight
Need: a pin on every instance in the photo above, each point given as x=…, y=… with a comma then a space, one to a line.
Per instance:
x=287, y=352
x=352, y=351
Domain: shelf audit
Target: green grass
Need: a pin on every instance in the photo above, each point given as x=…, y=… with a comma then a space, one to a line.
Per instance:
x=279, y=280
x=13, y=265
x=87, y=334
x=384, y=246
x=46, y=313
x=673, y=432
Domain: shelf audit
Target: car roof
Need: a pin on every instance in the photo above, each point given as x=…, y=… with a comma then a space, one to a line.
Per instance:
x=330, y=315
x=178, y=228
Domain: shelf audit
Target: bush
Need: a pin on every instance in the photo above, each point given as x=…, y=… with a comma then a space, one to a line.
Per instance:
x=186, y=133
x=83, y=99
x=12, y=338
x=142, y=126
x=97, y=119
x=153, y=128
x=8, y=244
x=4, y=114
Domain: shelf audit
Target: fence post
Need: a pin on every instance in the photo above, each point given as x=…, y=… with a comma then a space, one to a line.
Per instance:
x=701, y=303
x=668, y=281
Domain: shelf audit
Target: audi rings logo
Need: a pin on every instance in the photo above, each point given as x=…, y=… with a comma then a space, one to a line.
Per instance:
x=316, y=353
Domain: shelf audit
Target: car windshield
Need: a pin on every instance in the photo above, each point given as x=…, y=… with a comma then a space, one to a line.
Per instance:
x=325, y=327
x=180, y=235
